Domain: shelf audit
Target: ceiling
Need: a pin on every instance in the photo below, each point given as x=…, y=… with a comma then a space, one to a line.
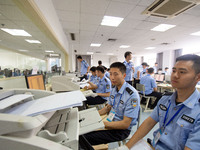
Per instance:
x=83, y=17
x=12, y=17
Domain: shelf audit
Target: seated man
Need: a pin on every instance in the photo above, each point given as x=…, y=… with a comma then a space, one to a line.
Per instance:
x=178, y=114
x=123, y=106
x=150, y=87
x=103, y=88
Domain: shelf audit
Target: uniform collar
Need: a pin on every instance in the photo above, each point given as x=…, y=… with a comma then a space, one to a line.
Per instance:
x=102, y=78
x=190, y=102
x=122, y=88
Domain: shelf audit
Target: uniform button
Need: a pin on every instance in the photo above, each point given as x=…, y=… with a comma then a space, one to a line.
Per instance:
x=165, y=133
x=182, y=125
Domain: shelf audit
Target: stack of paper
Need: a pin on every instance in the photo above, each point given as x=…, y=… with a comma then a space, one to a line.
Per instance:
x=141, y=145
x=49, y=103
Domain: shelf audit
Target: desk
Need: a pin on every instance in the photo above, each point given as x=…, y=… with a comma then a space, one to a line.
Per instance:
x=162, y=87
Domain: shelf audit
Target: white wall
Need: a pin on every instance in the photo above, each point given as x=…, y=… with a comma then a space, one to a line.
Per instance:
x=103, y=58
x=150, y=59
x=168, y=57
x=12, y=60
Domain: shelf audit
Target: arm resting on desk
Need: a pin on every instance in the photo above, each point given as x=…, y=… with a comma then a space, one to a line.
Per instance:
x=146, y=126
x=155, y=89
x=94, y=86
x=186, y=148
x=105, y=110
x=123, y=124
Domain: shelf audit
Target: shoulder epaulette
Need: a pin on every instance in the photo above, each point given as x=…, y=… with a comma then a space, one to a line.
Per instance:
x=129, y=90
x=168, y=93
x=113, y=86
x=105, y=80
x=199, y=100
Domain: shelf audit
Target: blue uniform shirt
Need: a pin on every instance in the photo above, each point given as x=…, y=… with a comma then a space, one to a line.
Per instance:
x=128, y=105
x=84, y=66
x=184, y=130
x=107, y=74
x=93, y=79
x=129, y=70
x=149, y=83
x=136, y=70
x=155, y=69
x=142, y=72
x=104, y=86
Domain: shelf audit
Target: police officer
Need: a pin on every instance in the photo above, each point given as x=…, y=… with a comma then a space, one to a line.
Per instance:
x=179, y=114
x=123, y=108
x=139, y=71
x=150, y=87
x=129, y=67
x=103, y=88
x=155, y=67
x=84, y=68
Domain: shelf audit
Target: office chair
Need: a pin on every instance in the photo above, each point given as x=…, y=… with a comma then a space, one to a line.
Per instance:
x=141, y=88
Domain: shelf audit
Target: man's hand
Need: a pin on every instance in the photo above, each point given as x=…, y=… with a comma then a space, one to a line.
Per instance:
x=94, y=94
x=124, y=147
x=86, y=88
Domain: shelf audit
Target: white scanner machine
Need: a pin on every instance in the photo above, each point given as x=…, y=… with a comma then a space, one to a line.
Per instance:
x=55, y=130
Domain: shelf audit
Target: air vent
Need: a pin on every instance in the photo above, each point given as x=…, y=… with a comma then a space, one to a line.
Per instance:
x=72, y=36
x=169, y=8
x=112, y=40
x=97, y=52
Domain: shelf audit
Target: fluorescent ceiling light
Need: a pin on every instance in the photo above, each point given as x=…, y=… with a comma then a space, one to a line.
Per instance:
x=124, y=46
x=111, y=21
x=49, y=51
x=16, y=32
x=150, y=48
x=163, y=27
x=54, y=55
x=90, y=53
x=32, y=41
x=23, y=50
x=110, y=54
x=95, y=44
x=196, y=33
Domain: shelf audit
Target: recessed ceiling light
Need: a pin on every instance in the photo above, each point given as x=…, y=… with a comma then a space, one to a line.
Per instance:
x=163, y=27
x=124, y=46
x=16, y=32
x=111, y=21
x=32, y=41
x=150, y=48
x=95, y=45
x=54, y=54
x=23, y=50
x=110, y=54
x=196, y=33
x=49, y=51
x=90, y=53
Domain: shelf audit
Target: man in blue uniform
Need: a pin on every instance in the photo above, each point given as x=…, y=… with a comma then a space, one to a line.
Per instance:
x=178, y=114
x=139, y=71
x=103, y=88
x=123, y=108
x=155, y=67
x=84, y=68
x=150, y=87
x=129, y=67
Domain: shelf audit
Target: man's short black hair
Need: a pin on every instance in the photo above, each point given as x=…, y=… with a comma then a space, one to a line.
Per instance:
x=120, y=66
x=156, y=63
x=191, y=57
x=127, y=53
x=79, y=57
x=166, y=68
x=144, y=64
x=150, y=70
x=100, y=68
x=100, y=62
x=93, y=69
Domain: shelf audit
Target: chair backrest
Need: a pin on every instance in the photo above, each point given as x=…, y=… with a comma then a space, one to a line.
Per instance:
x=140, y=88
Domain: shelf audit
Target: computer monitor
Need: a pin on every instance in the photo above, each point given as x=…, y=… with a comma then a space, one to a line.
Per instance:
x=8, y=73
x=159, y=77
x=168, y=78
x=35, y=82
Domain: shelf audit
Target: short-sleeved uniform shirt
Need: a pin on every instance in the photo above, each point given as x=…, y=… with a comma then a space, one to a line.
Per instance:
x=149, y=83
x=127, y=103
x=93, y=79
x=104, y=86
x=136, y=70
x=184, y=129
x=84, y=66
x=129, y=70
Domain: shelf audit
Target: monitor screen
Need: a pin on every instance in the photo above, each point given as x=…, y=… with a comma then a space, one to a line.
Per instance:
x=35, y=82
x=168, y=78
x=159, y=77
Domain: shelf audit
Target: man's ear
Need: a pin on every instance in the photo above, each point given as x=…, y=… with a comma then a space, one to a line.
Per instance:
x=124, y=75
x=198, y=77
